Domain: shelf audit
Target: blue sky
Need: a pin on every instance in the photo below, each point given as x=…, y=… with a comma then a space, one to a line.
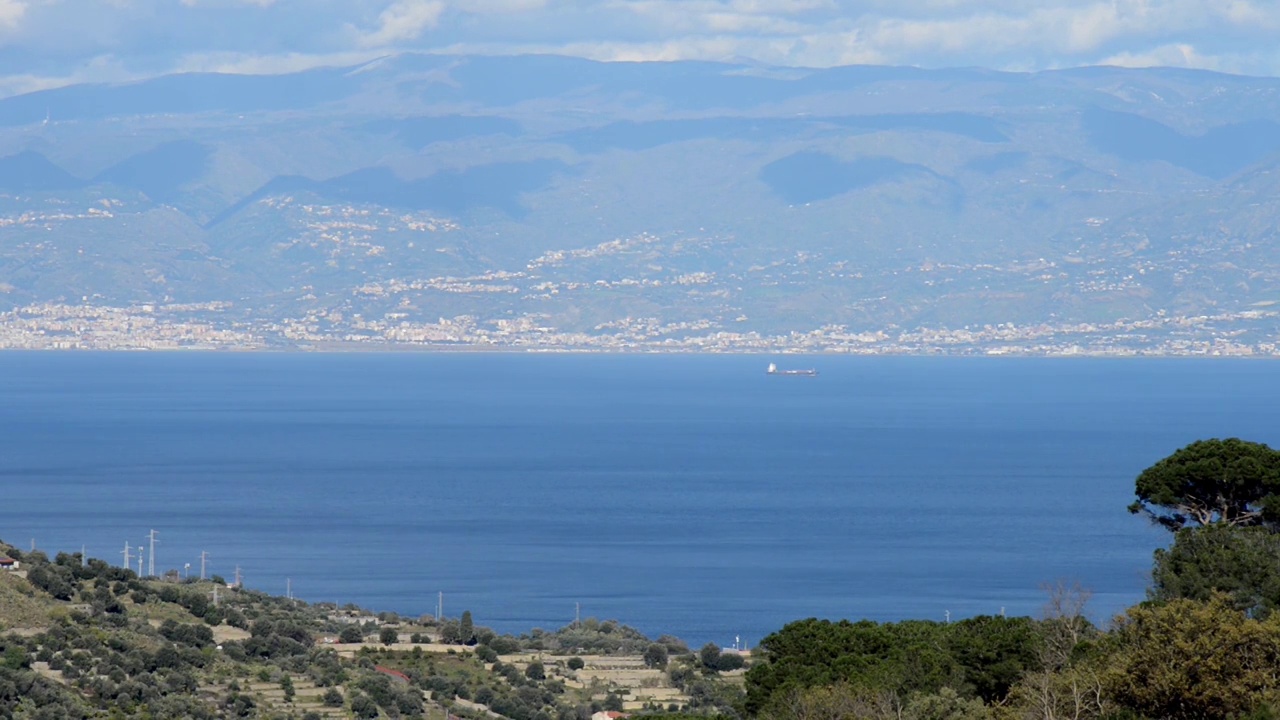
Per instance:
x=52, y=42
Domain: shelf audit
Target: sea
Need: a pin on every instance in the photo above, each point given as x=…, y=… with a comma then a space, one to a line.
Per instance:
x=687, y=495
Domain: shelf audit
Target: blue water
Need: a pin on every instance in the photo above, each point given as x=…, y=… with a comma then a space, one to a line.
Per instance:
x=689, y=495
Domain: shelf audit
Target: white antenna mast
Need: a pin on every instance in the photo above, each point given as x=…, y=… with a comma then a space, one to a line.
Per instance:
x=84, y=557
x=140, y=549
x=238, y=576
x=203, y=557
x=215, y=595
x=128, y=555
x=288, y=588
x=440, y=608
x=151, y=557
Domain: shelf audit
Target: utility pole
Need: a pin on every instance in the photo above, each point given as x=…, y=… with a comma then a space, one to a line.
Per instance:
x=203, y=557
x=440, y=608
x=128, y=555
x=151, y=557
x=237, y=576
x=84, y=557
x=288, y=588
x=140, y=549
x=577, y=614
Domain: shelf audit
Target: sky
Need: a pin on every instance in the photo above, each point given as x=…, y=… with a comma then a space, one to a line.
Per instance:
x=46, y=43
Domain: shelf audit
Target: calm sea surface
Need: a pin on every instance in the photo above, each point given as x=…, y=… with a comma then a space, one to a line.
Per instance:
x=690, y=495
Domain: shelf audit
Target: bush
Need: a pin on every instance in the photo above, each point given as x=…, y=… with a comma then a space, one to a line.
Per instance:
x=710, y=656
x=576, y=663
x=730, y=661
x=333, y=698
x=655, y=656
x=363, y=707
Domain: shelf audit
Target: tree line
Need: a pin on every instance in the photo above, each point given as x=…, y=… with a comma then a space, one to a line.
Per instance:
x=1204, y=646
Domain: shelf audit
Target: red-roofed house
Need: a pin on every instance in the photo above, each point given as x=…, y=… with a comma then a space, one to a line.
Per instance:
x=8, y=563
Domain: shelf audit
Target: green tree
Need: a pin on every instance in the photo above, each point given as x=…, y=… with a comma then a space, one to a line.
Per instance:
x=946, y=704
x=486, y=653
x=466, y=629
x=840, y=701
x=351, y=634
x=286, y=684
x=1232, y=482
x=332, y=698
x=655, y=656
x=894, y=658
x=730, y=661
x=388, y=635
x=709, y=656
x=362, y=706
x=575, y=663
x=535, y=671
x=1188, y=660
x=1241, y=562
x=993, y=652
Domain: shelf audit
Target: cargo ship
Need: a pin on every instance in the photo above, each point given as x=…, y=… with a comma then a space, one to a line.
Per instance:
x=773, y=370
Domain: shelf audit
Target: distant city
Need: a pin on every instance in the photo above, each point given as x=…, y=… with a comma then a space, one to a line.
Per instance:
x=625, y=209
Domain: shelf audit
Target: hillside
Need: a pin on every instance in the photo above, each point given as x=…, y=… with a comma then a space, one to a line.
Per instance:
x=84, y=639
x=547, y=202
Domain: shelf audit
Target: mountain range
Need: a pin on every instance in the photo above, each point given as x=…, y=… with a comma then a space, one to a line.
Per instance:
x=550, y=203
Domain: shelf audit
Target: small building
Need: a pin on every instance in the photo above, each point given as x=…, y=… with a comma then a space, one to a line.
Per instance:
x=610, y=715
x=8, y=563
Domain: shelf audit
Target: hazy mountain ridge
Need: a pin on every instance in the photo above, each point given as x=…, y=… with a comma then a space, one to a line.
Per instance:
x=589, y=203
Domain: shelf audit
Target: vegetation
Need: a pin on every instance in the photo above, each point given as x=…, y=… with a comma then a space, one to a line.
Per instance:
x=1207, y=645
x=97, y=641
x=1230, y=482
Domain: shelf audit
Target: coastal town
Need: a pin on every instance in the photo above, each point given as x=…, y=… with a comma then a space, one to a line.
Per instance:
x=370, y=286
x=214, y=326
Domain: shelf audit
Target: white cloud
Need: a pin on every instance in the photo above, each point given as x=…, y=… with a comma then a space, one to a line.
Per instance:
x=42, y=39
x=1175, y=55
x=11, y=12
x=403, y=21
x=498, y=7
x=251, y=64
x=206, y=3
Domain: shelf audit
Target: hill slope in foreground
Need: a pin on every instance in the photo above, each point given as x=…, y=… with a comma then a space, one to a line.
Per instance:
x=553, y=203
x=90, y=640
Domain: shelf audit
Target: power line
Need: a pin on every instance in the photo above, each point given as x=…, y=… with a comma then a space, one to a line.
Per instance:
x=151, y=559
